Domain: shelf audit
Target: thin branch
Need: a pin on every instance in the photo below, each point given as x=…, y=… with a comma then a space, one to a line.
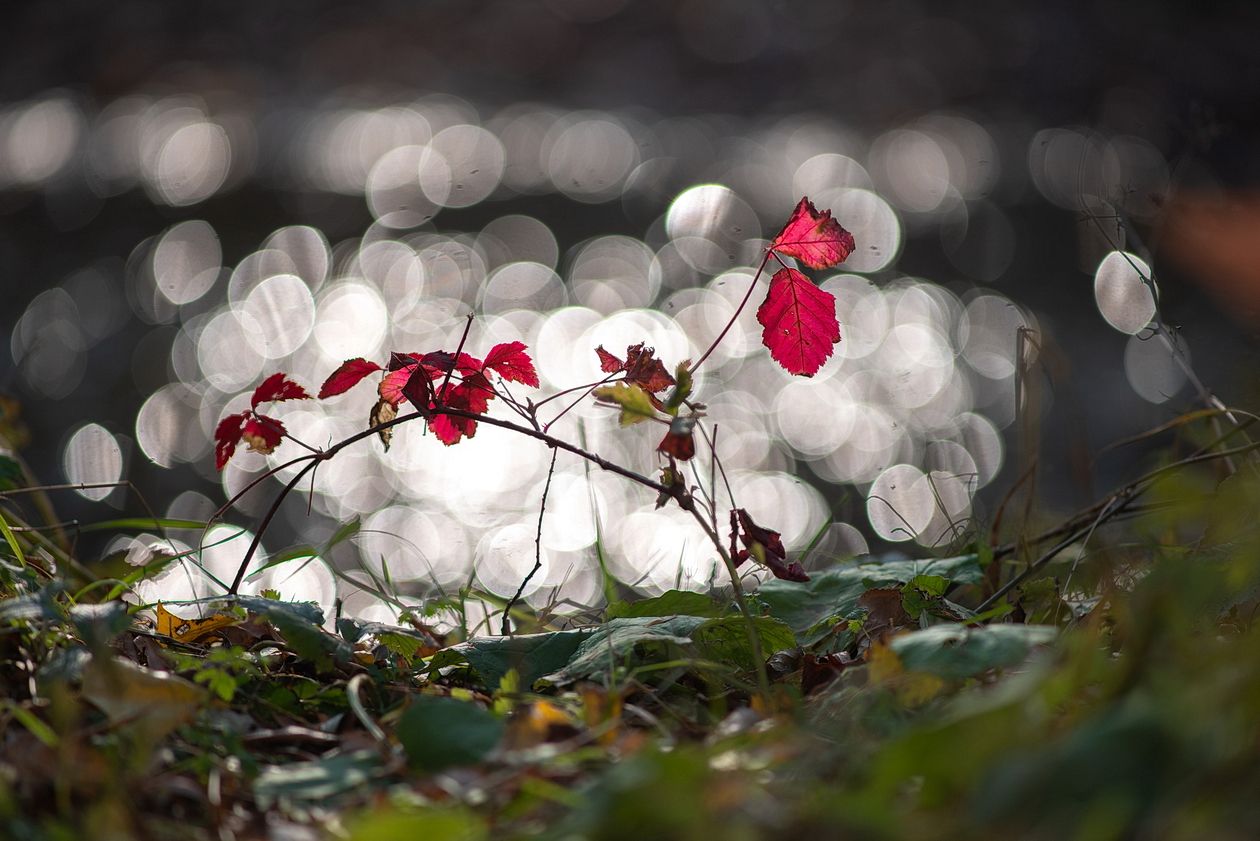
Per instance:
x=542, y=509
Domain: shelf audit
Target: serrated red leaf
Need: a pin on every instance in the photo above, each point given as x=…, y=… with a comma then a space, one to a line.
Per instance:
x=608, y=363
x=277, y=387
x=800, y=323
x=510, y=361
x=262, y=433
x=449, y=430
x=645, y=370
x=226, y=436
x=392, y=384
x=814, y=238
x=641, y=366
x=346, y=377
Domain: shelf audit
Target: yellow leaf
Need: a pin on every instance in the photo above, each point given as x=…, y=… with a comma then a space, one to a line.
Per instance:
x=191, y=630
x=635, y=404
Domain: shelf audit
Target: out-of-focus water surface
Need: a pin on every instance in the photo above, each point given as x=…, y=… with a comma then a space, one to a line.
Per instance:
x=195, y=200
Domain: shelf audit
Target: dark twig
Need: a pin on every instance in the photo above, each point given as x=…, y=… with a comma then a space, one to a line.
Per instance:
x=542, y=509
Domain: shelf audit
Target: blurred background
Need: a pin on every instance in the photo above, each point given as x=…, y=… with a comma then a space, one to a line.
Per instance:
x=195, y=197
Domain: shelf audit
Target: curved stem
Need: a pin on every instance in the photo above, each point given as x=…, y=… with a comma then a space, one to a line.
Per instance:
x=735, y=316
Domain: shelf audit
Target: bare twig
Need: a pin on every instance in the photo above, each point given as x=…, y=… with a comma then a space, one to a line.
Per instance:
x=542, y=509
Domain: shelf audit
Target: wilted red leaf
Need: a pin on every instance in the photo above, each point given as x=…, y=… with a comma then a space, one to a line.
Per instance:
x=680, y=441
x=346, y=377
x=512, y=363
x=814, y=238
x=226, y=436
x=641, y=366
x=800, y=322
x=763, y=545
x=885, y=612
x=262, y=433
x=608, y=363
x=277, y=387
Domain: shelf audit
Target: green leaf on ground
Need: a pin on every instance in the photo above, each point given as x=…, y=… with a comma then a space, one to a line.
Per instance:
x=835, y=591
x=438, y=733
x=317, y=781
x=956, y=652
x=532, y=655
x=613, y=642
x=670, y=603
x=726, y=640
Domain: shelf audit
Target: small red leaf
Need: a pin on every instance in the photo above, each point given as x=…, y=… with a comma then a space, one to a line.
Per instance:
x=392, y=384
x=644, y=369
x=814, y=238
x=262, y=433
x=608, y=363
x=277, y=387
x=450, y=429
x=512, y=363
x=415, y=387
x=641, y=366
x=226, y=436
x=680, y=441
x=764, y=546
x=346, y=377
x=800, y=322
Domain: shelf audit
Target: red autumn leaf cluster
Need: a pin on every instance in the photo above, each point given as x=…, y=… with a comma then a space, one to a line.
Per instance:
x=798, y=317
x=641, y=367
x=435, y=381
x=261, y=433
x=762, y=545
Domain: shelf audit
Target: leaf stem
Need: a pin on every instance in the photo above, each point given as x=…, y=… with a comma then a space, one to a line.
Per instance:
x=735, y=316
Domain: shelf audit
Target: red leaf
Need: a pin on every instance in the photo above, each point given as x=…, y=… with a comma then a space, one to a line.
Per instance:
x=277, y=387
x=800, y=322
x=449, y=429
x=512, y=363
x=641, y=366
x=346, y=377
x=608, y=363
x=763, y=545
x=226, y=436
x=680, y=441
x=644, y=369
x=392, y=384
x=262, y=433
x=415, y=387
x=814, y=238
